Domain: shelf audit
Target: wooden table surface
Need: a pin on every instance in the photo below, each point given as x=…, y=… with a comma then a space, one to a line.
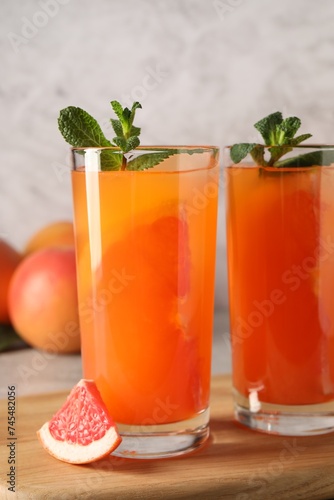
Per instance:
x=236, y=463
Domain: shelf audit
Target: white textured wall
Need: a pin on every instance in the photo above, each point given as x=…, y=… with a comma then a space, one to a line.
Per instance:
x=217, y=66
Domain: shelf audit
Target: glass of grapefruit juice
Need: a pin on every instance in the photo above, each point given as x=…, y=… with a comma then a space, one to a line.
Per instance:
x=145, y=244
x=280, y=245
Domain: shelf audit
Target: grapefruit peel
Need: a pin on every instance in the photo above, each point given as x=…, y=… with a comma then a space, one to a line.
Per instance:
x=82, y=431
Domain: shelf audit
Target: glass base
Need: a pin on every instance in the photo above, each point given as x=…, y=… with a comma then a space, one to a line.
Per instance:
x=302, y=420
x=163, y=441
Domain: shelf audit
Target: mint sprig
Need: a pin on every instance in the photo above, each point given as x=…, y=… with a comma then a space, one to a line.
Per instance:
x=127, y=136
x=81, y=130
x=280, y=135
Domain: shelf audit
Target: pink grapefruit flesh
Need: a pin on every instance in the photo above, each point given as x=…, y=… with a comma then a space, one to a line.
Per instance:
x=82, y=430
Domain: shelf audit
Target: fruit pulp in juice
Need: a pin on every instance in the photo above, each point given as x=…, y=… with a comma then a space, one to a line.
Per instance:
x=145, y=258
x=280, y=234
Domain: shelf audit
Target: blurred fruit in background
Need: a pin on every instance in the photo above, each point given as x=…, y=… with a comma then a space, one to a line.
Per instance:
x=9, y=260
x=42, y=299
x=57, y=234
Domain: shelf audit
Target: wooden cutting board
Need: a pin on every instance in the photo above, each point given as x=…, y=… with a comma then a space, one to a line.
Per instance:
x=236, y=463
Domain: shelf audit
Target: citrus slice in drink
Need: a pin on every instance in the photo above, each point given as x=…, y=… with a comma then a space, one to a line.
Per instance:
x=279, y=231
x=151, y=351
x=82, y=430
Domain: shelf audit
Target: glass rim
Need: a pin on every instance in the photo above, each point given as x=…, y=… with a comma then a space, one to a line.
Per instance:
x=94, y=154
x=180, y=148
x=297, y=146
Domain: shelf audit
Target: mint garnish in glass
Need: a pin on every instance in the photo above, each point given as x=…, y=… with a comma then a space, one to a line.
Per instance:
x=81, y=130
x=280, y=138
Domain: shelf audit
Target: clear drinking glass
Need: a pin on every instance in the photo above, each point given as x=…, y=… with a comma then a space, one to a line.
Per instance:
x=145, y=244
x=280, y=243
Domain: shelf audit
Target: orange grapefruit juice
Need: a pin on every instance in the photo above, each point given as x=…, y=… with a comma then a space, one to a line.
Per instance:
x=145, y=258
x=280, y=236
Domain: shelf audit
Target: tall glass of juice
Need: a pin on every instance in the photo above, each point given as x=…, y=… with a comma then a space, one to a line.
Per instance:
x=280, y=243
x=145, y=244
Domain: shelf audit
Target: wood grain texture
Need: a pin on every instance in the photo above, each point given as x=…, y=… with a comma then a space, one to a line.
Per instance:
x=236, y=463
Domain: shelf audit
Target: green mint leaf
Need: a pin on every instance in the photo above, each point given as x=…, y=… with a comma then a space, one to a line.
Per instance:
x=135, y=131
x=300, y=138
x=240, y=151
x=127, y=145
x=80, y=129
x=123, y=116
x=121, y=143
x=268, y=127
x=290, y=126
x=117, y=126
x=126, y=122
x=126, y=117
x=150, y=160
x=136, y=105
x=118, y=109
x=111, y=160
x=324, y=157
x=132, y=143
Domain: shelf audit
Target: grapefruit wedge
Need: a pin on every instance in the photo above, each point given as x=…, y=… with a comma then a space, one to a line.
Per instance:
x=82, y=430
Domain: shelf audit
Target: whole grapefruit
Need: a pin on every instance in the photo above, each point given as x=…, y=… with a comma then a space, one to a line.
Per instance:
x=56, y=234
x=42, y=300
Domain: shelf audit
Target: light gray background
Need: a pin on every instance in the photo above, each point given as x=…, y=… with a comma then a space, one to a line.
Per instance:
x=204, y=70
